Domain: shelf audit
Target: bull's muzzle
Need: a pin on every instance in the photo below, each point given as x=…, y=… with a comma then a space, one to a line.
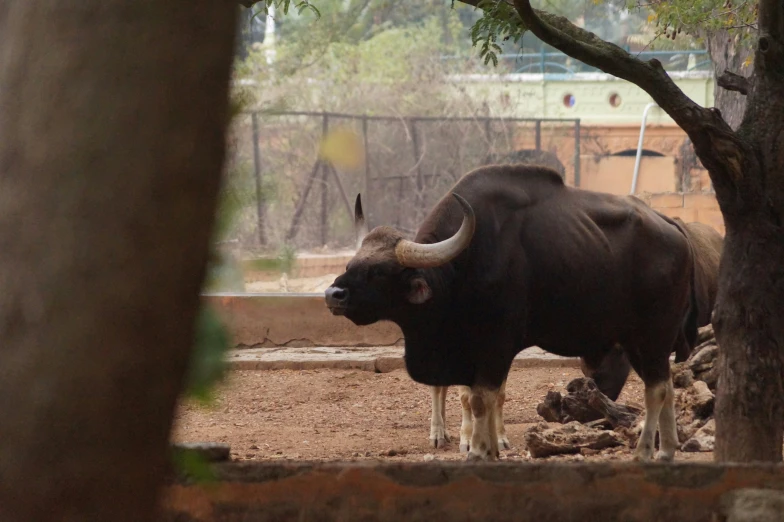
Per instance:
x=337, y=299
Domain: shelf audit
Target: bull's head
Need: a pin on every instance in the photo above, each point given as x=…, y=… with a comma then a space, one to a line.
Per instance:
x=387, y=274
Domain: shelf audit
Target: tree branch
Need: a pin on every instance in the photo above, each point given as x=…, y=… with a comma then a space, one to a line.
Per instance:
x=733, y=82
x=717, y=146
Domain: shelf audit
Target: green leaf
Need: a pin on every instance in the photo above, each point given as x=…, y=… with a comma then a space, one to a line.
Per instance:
x=192, y=464
x=207, y=362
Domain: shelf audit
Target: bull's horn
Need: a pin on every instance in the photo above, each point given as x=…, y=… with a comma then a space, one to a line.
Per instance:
x=359, y=221
x=416, y=255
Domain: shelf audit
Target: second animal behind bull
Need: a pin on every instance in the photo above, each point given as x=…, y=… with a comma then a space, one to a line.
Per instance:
x=572, y=271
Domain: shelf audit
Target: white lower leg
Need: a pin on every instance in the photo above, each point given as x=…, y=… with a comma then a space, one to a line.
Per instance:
x=467, y=425
x=655, y=396
x=484, y=440
x=438, y=434
x=503, y=441
x=668, y=430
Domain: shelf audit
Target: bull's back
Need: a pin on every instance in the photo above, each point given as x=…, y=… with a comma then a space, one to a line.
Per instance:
x=603, y=265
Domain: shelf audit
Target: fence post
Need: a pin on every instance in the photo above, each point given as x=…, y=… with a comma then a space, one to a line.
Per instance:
x=420, y=182
x=538, y=135
x=257, y=171
x=577, y=153
x=488, y=139
x=324, y=186
x=368, y=205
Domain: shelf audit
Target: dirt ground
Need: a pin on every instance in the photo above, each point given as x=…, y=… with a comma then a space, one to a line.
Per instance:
x=357, y=415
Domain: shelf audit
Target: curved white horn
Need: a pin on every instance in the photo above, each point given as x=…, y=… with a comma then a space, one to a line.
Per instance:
x=416, y=255
x=359, y=221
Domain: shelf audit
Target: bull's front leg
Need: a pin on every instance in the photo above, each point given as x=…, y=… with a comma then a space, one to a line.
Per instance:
x=484, y=440
x=438, y=434
x=467, y=424
x=503, y=441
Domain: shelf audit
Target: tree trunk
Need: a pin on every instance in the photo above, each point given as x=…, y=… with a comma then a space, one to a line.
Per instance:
x=748, y=316
x=727, y=53
x=112, y=122
x=749, y=414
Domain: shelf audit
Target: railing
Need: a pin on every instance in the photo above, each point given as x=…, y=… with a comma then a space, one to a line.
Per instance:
x=559, y=64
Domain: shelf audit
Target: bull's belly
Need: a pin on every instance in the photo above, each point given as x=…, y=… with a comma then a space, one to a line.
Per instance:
x=576, y=348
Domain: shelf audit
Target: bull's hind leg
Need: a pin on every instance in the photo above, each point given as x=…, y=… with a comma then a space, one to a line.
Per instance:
x=503, y=441
x=655, y=397
x=484, y=440
x=438, y=434
x=467, y=425
x=668, y=430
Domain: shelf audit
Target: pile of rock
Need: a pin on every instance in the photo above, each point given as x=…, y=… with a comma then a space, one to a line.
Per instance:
x=695, y=383
x=592, y=422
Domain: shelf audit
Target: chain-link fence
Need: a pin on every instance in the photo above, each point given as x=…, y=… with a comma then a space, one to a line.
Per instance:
x=297, y=198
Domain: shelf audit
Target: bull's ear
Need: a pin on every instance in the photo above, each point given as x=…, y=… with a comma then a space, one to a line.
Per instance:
x=419, y=291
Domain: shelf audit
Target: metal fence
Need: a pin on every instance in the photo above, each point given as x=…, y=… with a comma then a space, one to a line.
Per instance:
x=301, y=200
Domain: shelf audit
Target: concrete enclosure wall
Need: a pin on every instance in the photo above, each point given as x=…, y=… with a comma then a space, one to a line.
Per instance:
x=457, y=491
x=271, y=320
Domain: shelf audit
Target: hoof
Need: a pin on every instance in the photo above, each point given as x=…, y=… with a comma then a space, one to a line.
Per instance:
x=665, y=457
x=503, y=444
x=642, y=457
x=439, y=443
x=465, y=448
x=475, y=457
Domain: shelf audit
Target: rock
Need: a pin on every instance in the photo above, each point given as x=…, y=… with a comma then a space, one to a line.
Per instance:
x=703, y=357
x=428, y=457
x=575, y=405
x=701, y=399
x=709, y=377
x=705, y=334
x=702, y=440
x=600, y=424
x=753, y=505
x=585, y=403
x=687, y=431
x=571, y=438
x=550, y=409
x=589, y=451
x=682, y=376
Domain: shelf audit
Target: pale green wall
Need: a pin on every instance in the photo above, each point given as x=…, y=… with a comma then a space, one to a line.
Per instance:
x=535, y=96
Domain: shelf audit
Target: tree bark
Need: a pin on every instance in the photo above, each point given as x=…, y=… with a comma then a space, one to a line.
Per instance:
x=112, y=122
x=750, y=302
x=727, y=54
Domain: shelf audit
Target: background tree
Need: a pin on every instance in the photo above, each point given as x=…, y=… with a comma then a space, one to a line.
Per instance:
x=726, y=27
x=111, y=163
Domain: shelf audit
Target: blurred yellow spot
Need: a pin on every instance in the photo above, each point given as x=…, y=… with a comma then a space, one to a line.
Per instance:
x=651, y=17
x=748, y=61
x=343, y=148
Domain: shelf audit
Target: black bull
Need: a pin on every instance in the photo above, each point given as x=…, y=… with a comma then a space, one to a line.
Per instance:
x=522, y=260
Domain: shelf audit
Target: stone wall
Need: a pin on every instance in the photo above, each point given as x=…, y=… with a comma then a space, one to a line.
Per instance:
x=455, y=491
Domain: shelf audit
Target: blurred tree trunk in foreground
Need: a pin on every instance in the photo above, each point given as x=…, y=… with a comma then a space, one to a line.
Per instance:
x=112, y=122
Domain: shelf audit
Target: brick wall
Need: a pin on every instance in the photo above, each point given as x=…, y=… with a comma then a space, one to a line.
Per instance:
x=690, y=207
